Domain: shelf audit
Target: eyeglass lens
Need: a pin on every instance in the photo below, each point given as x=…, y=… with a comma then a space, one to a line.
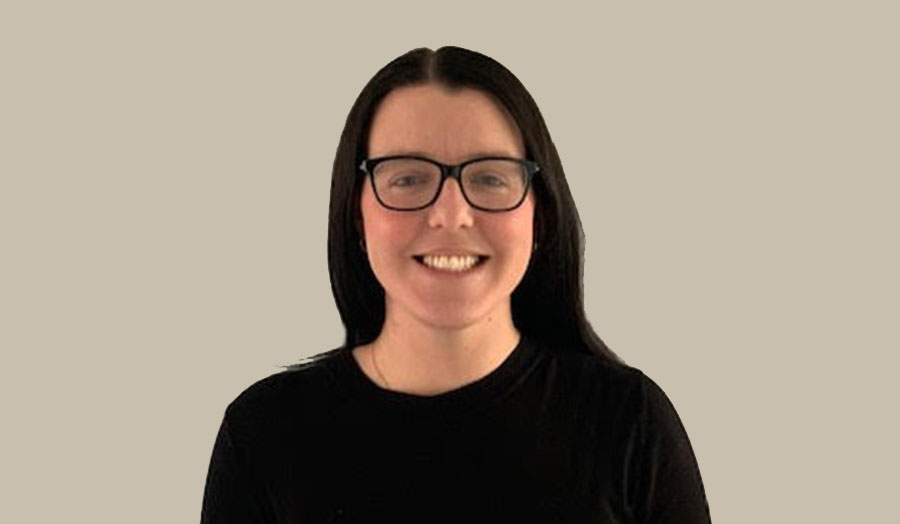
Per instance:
x=406, y=183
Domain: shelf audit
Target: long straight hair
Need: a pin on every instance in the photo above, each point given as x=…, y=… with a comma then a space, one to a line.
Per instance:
x=548, y=304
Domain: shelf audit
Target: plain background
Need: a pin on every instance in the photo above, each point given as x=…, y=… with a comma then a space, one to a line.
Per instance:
x=165, y=176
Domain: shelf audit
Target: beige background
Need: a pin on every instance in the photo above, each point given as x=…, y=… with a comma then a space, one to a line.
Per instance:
x=163, y=205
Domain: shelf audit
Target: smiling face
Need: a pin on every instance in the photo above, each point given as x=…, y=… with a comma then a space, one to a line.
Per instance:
x=450, y=127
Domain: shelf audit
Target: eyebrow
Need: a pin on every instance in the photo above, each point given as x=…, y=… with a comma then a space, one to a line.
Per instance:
x=480, y=154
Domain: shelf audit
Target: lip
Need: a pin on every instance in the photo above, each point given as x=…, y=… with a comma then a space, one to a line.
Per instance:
x=450, y=252
x=452, y=274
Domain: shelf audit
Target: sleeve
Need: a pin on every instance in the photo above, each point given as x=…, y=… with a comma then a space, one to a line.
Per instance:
x=231, y=495
x=663, y=478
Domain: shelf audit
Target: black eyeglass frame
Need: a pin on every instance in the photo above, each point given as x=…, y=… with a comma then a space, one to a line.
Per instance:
x=368, y=166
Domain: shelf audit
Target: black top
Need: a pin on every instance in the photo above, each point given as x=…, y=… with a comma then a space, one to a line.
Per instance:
x=548, y=436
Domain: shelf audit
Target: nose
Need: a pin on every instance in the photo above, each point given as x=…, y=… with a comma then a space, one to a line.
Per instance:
x=450, y=210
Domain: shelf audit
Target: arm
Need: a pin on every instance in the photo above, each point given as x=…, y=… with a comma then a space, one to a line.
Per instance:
x=232, y=495
x=663, y=478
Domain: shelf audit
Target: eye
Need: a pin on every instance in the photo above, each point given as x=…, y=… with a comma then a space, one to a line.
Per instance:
x=489, y=180
x=406, y=181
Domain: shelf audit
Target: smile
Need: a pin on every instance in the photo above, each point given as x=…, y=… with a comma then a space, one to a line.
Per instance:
x=456, y=264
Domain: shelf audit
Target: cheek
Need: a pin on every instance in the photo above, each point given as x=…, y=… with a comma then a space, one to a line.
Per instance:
x=386, y=233
x=522, y=233
x=521, y=223
x=513, y=238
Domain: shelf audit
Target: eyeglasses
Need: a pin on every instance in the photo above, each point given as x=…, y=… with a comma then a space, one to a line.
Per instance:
x=409, y=183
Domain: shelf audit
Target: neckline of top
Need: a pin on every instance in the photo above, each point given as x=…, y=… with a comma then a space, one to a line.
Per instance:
x=481, y=392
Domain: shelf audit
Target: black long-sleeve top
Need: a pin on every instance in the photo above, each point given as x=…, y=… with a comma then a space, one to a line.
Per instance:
x=549, y=436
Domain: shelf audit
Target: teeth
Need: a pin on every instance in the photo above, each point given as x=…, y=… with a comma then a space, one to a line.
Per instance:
x=450, y=263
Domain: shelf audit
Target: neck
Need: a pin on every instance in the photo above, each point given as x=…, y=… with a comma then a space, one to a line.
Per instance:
x=417, y=358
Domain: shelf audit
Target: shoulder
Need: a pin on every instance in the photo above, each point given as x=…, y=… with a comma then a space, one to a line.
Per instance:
x=584, y=371
x=642, y=399
x=299, y=391
x=621, y=390
x=643, y=409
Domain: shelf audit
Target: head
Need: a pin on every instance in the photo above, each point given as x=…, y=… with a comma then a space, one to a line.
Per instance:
x=544, y=287
x=459, y=126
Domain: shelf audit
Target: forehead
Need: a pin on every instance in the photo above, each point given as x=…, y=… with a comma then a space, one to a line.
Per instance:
x=449, y=126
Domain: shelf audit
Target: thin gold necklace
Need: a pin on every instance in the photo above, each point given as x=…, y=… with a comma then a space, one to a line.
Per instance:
x=375, y=364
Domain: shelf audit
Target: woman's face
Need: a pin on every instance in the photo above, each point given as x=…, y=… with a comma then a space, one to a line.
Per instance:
x=450, y=127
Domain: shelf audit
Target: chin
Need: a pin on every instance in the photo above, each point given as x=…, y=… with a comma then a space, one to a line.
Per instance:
x=454, y=315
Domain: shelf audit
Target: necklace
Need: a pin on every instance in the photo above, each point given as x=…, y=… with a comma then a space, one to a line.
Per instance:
x=375, y=365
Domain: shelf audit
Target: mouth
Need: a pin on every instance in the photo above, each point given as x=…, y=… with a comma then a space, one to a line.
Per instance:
x=456, y=264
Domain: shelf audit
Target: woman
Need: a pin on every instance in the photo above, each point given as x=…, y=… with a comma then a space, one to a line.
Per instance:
x=470, y=386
